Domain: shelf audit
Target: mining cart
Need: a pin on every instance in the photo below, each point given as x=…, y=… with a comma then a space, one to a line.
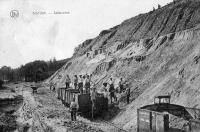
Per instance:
x=35, y=87
x=84, y=102
x=156, y=117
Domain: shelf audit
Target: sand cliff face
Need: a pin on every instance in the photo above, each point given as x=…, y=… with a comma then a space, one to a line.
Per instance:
x=156, y=53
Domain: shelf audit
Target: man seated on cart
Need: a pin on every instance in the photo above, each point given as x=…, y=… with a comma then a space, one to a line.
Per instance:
x=104, y=90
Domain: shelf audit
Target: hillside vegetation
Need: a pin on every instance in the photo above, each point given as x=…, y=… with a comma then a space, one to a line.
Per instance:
x=33, y=71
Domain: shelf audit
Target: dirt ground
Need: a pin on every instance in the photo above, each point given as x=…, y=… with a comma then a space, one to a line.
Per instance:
x=43, y=112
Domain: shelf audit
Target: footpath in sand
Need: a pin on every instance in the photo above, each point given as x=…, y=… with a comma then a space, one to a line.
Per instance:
x=43, y=112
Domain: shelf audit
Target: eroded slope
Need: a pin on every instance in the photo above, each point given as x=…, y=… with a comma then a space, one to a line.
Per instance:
x=156, y=53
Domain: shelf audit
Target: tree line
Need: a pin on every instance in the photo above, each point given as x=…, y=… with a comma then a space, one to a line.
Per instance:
x=34, y=71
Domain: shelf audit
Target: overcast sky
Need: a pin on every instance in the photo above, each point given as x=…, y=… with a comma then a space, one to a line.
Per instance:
x=32, y=37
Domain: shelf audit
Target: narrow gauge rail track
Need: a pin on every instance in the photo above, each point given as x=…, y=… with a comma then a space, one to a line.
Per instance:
x=43, y=126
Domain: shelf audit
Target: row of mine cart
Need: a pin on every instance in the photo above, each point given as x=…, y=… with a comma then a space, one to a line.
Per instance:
x=84, y=101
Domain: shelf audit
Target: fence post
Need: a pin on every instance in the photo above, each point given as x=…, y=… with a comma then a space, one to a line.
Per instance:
x=92, y=110
x=65, y=97
x=138, y=120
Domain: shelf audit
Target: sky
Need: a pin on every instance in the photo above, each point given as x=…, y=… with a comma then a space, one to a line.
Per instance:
x=40, y=34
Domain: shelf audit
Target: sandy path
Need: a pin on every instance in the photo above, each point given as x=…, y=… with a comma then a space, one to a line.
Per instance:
x=30, y=119
x=43, y=112
x=27, y=119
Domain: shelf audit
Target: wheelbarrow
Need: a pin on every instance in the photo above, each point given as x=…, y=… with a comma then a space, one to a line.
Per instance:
x=34, y=88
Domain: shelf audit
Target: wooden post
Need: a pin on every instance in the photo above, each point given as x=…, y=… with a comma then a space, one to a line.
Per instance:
x=92, y=110
x=65, y=97
x=138, y=120
x=58, y=93
x=62, y=95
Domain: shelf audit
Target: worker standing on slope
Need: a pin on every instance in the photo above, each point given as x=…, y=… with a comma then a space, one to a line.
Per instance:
x=80, y=84
x=87, y=84
x=91, y=82
x=105, y=91
x=73, y=109
x=112, y=90
x=128, y=93
x=1, y=84
x=67, y=82
x=102, y=89
x=90, y=77
x=121, y=86
x=84, y=81
x=75, y=81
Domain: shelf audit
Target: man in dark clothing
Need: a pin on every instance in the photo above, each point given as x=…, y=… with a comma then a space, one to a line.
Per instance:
x=67, y=82
x=128, y=92
x=80, y=84
x=75, y=81
x=121, y=85
x=1, y=84
x=112, y=90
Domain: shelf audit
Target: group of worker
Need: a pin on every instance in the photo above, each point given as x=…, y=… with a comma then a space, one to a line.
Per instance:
x=109, y=89
x=82, y=83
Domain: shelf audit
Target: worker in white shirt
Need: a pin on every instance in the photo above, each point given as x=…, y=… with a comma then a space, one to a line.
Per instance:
x=87, y=84
x=73, y=109
x=80, y=84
